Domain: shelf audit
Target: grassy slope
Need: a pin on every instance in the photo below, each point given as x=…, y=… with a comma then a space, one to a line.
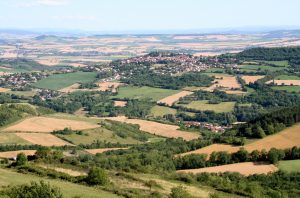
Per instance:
x=10, y=138
x=287, y=88
x=144, y=92
x=8, y=177
x=59, y=81
x=261, y=67
x=287, y=77
x=161, y=111
x=218, y=108
x=290, y=165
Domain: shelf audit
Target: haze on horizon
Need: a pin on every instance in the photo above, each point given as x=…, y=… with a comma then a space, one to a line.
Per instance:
x=155, y=15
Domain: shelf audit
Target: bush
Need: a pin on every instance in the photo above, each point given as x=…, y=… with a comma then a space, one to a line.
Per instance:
x=179, y=192
x=97, y=176
x=21, y=159
x=33, y=190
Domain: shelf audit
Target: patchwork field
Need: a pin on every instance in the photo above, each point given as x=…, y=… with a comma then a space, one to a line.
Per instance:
x=60, y=81
x=12, y=154
x=203, y=105
x=154, y=94
x=46, y=124
x=102, y=150
x=288, y=138
x=289, y=165
x=245, y=168
x=251, y=79
x=69, y=190
x=157, y=111
x=11, y=139
x=42, y=139
x=165, y=130
x=109, y=86
x=170, y=100
x=224, y=81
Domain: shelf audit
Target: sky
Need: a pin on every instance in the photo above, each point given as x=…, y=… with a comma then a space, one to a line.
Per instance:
x=143, y=15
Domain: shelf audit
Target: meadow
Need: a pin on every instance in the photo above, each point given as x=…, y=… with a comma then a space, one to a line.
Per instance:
x=289, y=165
x=59, y=81
x=154, y=94
x=287, y=88
x=249, y=68
x=202, y=105
x=157, y=111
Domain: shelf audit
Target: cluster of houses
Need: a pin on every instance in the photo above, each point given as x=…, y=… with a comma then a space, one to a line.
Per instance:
x=18, y=80
x=45, y=94
x=178, y=63
x=212, y=127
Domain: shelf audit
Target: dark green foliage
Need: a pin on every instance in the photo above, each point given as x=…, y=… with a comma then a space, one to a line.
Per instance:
x=32, y=190
x=179, y=192
x=21, y=159
x=97, y=176
x=169, y=82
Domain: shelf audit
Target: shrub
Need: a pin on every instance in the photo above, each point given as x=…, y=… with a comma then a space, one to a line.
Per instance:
x=97, y=176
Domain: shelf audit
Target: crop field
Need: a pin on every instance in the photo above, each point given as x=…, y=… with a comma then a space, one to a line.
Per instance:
x=10, y=138
x=288, y=138
x=101, y=134
x=157, y=111
x=3, y=90
x=155, y=128
x=12, y=154
x=289, y=165
x=202, y=105
x=170, y=100
x=102, y=150
x=119, y=103
x=60, y=81
x=154, y=94
x=284, y=63
x=109, y=86
x=42, y=139
x=69, y=190
x=285, y=82
x=224, y=81
x=46, y=124
x=245, y=168
x=251, y=79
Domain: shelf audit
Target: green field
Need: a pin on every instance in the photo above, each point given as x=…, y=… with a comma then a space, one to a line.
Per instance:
x=253, y=68
x=22, y=93
x=154, y=94
x=101, y=134
x=287, y=77
x=59, y=81
x=161, y=111
x=8, y=177
x=202, y=105
x=10, y=138
x=289, y=165
x=287, y=88
x=284, y=63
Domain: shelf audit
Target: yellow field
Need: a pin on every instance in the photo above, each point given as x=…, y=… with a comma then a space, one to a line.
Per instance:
x=118, y=103
x=286, y=139
x=170, y=100
x=251, y=79
x=285, y=82
x=165, y=130
x=12, y=154
x=202, y=105
x=45, y=124
x=224, y=81
x=245, y=168
x=102, y=150
x=42, y=139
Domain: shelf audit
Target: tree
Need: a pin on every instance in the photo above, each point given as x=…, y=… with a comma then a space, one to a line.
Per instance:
x=97, y=176
x=32, y=190
x=21, y=159
x=179, y=192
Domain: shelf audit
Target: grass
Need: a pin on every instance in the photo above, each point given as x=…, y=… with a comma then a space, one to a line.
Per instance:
x=59, y=81
x=287, y=88
x=157, y=111
x=289, y=165
x=154, y=94
x=284, y=63
x=101, y=134
x=259, y=67
x=22, y=93
x=202, y=105
x=8, y=177
x=11, y=139
x=287, y=77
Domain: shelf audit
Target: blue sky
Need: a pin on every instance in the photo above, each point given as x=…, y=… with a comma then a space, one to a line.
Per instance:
x=118, y=15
